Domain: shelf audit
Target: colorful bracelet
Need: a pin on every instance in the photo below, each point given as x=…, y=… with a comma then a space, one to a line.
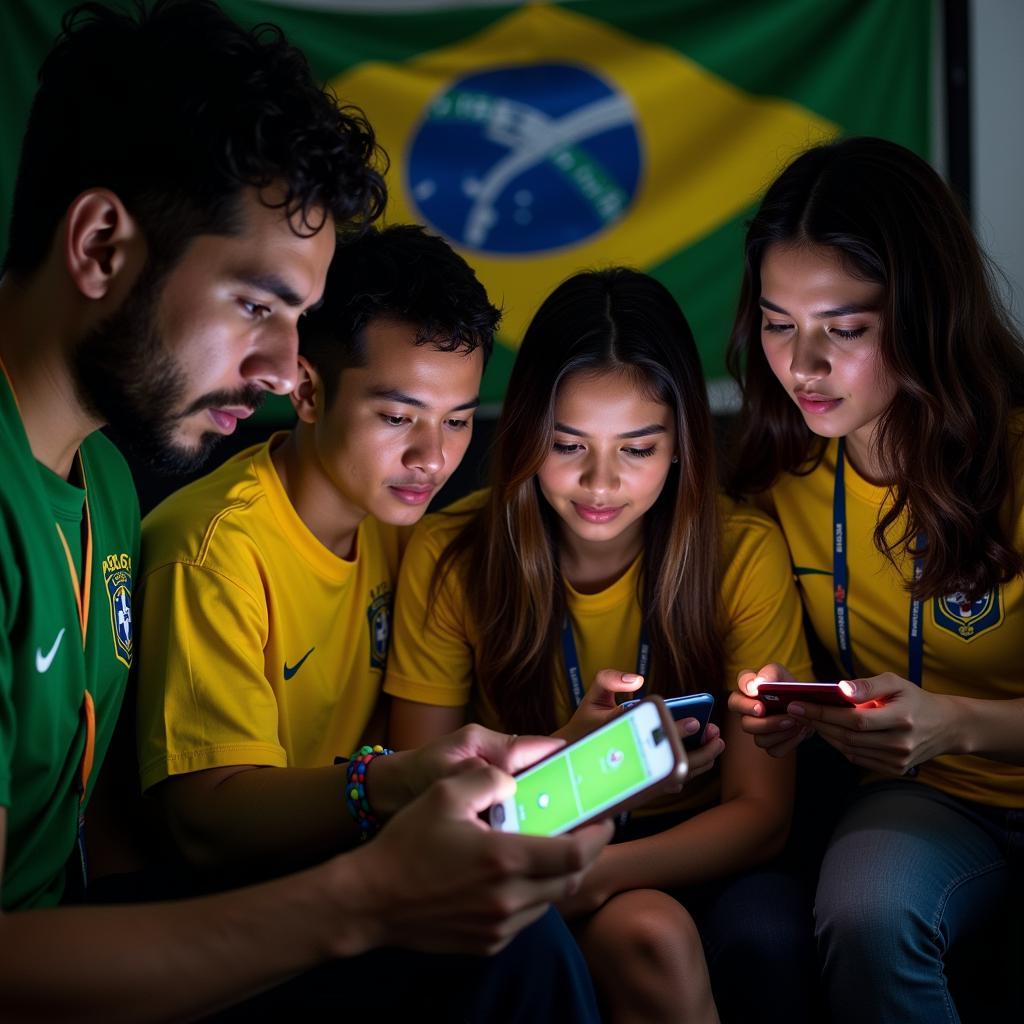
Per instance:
x=355, y=789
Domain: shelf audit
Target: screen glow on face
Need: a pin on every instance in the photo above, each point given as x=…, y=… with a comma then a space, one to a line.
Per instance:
x=598, y=772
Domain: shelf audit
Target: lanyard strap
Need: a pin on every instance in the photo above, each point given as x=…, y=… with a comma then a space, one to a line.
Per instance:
x=572, y=660
x=915, y=636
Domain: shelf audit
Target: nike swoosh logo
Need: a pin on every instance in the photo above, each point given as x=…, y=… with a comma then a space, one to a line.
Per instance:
x=44, y=661
x=290, y=670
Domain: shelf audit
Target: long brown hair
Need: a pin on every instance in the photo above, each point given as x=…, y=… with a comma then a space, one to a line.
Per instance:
x=508, y=554
x=945, y=440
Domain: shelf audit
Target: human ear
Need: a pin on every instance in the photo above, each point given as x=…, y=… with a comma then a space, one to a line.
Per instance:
x=103, y=244
x=308, y=394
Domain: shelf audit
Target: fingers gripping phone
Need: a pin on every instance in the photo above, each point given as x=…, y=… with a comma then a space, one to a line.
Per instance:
x=636, y=753
x=776, y=696
x=693, y=705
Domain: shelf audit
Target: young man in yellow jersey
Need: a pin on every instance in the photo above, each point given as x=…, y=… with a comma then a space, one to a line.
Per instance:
x=267, y=585
x=174, y=215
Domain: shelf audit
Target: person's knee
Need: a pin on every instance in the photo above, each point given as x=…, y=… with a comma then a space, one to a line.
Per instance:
x=650, y=931
x=647, y=960
x=877, y=919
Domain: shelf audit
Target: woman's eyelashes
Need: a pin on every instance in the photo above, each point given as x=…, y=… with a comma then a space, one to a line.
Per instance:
x=845, y=333
x=571, y=447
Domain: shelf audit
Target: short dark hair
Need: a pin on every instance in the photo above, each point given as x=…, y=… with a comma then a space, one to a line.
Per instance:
x=399, y=273
x=176, y=109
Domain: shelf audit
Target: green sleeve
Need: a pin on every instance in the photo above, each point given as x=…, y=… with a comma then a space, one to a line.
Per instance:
x=9, y=588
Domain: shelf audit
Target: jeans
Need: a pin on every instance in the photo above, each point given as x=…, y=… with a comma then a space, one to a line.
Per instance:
x=758, y=939
x=540, y=976
x=909, y=872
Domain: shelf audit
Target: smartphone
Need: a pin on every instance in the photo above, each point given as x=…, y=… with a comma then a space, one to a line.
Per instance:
x=776, y=696
x=693, y=705
x=635, y=753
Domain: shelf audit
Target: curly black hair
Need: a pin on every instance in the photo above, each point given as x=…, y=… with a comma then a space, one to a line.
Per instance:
x=399, y=273
x=176, y=109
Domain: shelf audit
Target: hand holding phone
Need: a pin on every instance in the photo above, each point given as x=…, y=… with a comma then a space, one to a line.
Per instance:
x=692, y=705
x=634, y=755
x=777, y=735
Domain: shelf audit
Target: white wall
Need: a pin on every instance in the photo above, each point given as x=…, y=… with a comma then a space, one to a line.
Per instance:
x=997, y=116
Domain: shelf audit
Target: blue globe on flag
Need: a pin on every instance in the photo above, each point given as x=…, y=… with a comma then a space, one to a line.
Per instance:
x=525, y=159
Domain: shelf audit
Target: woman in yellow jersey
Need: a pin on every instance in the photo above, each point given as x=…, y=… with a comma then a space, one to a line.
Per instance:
x=882, y=427
x=603, y=542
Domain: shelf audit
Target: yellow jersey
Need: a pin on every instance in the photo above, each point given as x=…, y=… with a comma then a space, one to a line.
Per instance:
x=258, y=645
x=970, y=649
x=434, y=656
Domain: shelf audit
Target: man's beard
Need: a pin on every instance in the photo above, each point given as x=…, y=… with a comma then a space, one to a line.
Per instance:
x=126, y=376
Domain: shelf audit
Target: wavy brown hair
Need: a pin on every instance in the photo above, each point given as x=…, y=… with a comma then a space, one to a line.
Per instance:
x=615, y=320
x=945, y=440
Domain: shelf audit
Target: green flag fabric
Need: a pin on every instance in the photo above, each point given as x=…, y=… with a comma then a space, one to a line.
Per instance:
x=544, y=138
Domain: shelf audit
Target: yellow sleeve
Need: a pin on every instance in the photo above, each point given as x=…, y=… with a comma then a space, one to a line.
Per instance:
x=431, y=657
x=764, y=616
x=204, y=699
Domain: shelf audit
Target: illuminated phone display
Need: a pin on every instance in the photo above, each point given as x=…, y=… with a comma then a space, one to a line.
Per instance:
x=581, y=781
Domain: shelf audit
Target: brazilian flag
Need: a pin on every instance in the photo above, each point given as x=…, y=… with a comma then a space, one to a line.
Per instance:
x=541, y=138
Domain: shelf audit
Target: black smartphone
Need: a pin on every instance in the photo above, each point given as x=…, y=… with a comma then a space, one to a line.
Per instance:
x=693, y=705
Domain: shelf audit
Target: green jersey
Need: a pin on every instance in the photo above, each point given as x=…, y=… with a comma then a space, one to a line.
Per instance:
x=67, y=559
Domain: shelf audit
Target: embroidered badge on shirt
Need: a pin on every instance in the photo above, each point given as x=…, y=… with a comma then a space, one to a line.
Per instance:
x=967, y=619
x=378, y=615
x=117, y=577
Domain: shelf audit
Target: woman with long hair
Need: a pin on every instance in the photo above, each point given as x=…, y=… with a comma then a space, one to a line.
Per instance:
x=883, y=427
x=603, y=541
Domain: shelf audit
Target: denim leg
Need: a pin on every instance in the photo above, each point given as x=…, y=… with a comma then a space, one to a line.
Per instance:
x=758, y=934
x=907, y=871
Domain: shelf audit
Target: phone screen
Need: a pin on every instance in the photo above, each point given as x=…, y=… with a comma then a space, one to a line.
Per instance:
x=777, y=696
x=580, y=781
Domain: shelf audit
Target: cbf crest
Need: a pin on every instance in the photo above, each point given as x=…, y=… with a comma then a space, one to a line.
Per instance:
x=117, y=579
x=958, y=614
x=378, y=615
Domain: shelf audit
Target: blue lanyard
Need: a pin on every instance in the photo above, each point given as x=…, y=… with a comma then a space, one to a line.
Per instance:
x=915, y=638
x=572, y=660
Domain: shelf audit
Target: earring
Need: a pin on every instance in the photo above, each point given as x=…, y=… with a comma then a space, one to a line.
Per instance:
x=675, y=458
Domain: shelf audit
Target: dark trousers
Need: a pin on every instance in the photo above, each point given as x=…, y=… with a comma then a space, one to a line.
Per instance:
x=540, y=976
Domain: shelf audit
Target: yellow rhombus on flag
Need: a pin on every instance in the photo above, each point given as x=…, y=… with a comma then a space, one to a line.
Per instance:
x=705, y=148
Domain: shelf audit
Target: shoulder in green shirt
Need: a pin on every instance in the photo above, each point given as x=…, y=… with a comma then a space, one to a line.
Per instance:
x=46, y=665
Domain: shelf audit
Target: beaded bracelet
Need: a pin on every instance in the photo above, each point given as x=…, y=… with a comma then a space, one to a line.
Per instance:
x=355, y=789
